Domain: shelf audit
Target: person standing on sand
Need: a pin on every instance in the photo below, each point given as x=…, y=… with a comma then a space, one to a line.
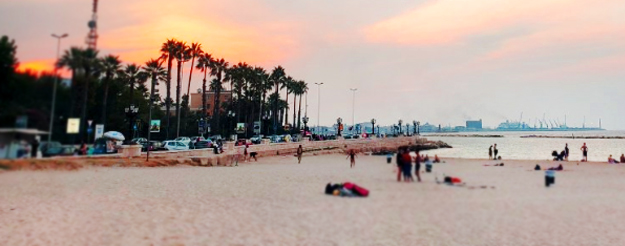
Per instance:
x=352, y=158
x=490, y=153
x=417, y=166
x=400, y=163
x=407, y=167
x=300, y=152
x=623, y=158
x=584, y=149
x=566, y=152
x=495, y=152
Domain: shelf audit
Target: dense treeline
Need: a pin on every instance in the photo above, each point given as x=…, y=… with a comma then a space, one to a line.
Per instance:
x=101, y=87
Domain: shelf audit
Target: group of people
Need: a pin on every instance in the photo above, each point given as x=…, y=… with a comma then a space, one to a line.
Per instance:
x=493, y=152
x=614, y=161
x=404, y=164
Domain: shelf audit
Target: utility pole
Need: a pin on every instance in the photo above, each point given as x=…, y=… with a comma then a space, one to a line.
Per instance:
x=353, y=108
x=318, y=106
x=56, y=81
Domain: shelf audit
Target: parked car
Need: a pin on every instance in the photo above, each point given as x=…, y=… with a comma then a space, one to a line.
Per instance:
x=153, y=145
x=204, y=144
x=185, y=140
x=139, y=141
x=175, y=145
x=257, y=139
x=45, y=145
x=194, y=140
x=59, y=151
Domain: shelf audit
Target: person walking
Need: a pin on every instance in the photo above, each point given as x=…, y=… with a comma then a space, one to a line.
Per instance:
x=584, y=149
x=490, y=153
x=495, y=152
x=400, y=163
x=417, y=167
x=407, y=167
x=352, y=158
x=300, y=152
x=566, y=152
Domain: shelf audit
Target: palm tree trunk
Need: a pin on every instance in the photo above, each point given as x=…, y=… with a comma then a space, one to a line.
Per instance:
x=299, y=113
x=216, y=103
x=190, y=75
x=294, y=104
x=83, y=115
x=106, y=95
x=286, y=110
x=178, y=85
x=168, y=99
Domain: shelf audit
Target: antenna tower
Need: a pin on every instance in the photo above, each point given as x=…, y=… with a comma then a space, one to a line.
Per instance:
x=92, y=37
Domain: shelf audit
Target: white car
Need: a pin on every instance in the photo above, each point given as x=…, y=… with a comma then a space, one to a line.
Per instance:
x=185, y=140
x=175, y=145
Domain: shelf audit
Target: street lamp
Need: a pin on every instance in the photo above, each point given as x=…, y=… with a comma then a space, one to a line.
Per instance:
x=318, y=104
x=56, y=78
x=400, y=122
x=373, y=127
x=338, y=122
x=231, y=117
x=305, y=120
x=418, y=124
x=353, y=107
x=131, y=113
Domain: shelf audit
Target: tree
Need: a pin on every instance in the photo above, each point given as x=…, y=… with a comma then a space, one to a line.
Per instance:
x=181, y=54
x=288, y=86
x=218, y=67
x=8, y=65
x=168, y=49
x=132, y=75
x=203, y=64
x=277, y=78
x=195, y=51
x=110, y=67
x=302, y=89
x=72, y=60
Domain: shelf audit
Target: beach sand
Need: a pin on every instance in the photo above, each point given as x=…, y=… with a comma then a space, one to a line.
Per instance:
x=278, y=202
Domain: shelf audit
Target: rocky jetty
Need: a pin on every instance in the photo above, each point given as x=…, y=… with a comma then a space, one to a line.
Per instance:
x=466, y=135
x=574, y=137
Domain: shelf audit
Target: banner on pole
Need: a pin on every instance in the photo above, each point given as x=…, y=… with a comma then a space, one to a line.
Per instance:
x=257, y=127
x=240, y=128
x=99, y=130
x=73, y=125
x=155, y=126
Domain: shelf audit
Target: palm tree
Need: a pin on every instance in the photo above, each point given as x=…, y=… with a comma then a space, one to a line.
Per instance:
x=132, y=75
x=110, y=66
x=302, y=89
x=203, y=63
x=167, y=52
x=181, y=54
x=288, y=86
x=295, y=88
x=218, y=67
x=90, y=65
x=72, y=60
x=195, y=51
x=277, y=78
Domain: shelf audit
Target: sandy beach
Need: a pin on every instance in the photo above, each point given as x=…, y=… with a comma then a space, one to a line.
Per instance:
x=276, y=201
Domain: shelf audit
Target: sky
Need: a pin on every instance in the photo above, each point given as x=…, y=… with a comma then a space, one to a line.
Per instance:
x=436, y=61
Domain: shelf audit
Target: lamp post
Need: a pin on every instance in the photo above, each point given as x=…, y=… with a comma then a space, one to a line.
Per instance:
x=418, y=124
x=305, y=120
x=266, y=118
x=373, y=127
x=131, y=113
x=353, y=107
x=338, y=123
x=318, y=104
x=400, y=122
x=231, y=117
x=56, y=78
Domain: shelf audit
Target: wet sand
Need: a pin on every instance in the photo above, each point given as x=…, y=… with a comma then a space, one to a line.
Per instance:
x=278, y=202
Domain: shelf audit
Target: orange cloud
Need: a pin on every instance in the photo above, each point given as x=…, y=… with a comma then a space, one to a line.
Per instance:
x=452, y=21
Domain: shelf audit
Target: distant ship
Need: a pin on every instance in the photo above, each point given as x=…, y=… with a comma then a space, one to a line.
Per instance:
x=547, y=126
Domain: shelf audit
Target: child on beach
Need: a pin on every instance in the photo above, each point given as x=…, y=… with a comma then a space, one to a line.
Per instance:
x=566, y=152
x=495, y=151
x=490, y=152
x=417, y=166
x=407, y=165
x=584, y=149
x=300, y=151
x=400, y=163
x=622, y=158
x=352, y=158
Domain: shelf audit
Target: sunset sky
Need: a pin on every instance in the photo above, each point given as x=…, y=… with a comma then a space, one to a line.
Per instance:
x=437, y=61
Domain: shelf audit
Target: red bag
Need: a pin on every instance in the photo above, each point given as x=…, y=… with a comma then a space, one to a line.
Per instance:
x=356, y=189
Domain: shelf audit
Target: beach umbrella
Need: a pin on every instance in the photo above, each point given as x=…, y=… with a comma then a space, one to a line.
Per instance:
x=114, y=135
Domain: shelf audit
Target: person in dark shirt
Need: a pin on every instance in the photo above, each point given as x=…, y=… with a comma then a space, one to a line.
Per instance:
x=490, y=152
x=566, y=152
x=400, y=163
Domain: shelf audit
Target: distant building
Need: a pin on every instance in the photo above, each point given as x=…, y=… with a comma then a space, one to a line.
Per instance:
x=474, y=124
x=196, y=101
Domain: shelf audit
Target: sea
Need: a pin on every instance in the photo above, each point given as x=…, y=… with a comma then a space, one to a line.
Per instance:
x=512, y=146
